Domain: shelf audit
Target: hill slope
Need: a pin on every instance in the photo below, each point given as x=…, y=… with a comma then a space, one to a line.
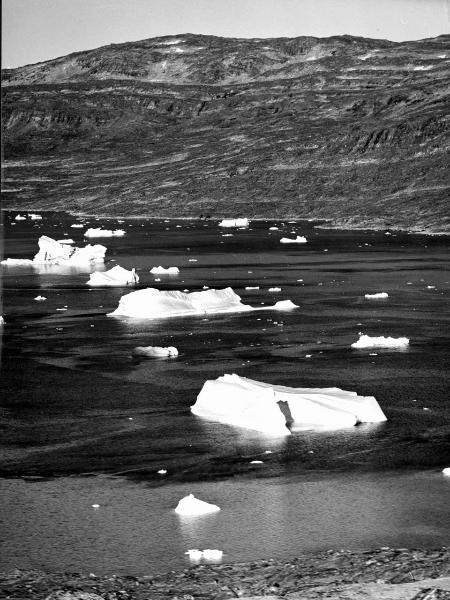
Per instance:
x=344, y=128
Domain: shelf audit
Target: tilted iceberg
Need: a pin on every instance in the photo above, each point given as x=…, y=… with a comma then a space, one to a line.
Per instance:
x=192, y=506
x=234, y=223
x=365, y=341
x=377, y=296
x=99, y=232
x=275, y=409
x=155, y=351
x=116, y=276
x=298, y=240
x=152, y=303
x=53, y=253
x=163, y=271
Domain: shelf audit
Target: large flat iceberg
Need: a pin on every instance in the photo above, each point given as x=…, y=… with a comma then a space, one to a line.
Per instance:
x=162, y=271
x=365, y=341
x=377, y=296
x=234, y=223
x=99, y=232
x=155, y=351
x=53, y=253
x=300, y=239
x=152, y=303
x=117, y=276
x=275, y=409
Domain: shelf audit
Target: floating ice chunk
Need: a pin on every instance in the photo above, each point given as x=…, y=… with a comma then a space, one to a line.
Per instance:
x=40, y=298
x=66, y=241
x=209, y=554
x=117, y=276
x=20, y=218
x=252, y=287
x=234, y=223
x=194, y=554
x=155, y=351
x=263, y=407
x=51, y=252
x=365, y=341
x=151, y=303
x=273, y=228
x=377, y=296
x=192, y=506
x=77, y=226
x=256, y=462
x=275, y=289
x=99, y=232
x=2, y=320
x=446, y=471
x=163, y=271
x=17, y=262
x=162, y=472
x=35, y=217
x=95, y=505
x=300, y=239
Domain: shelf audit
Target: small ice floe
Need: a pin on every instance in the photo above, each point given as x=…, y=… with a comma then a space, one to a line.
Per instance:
x=95, y=505
x=252, y=287
x=35, y=217
x=16, y=262
x=194, y=554
x=209, y=554
x=365, y=341
x=20, y=218
x=162, y=472
x=2, y=320
x=273, y=228
x=192, y=260
x=300, y=239
x=234, y=222
x=191, y=506
x=446, y=471
x=275, y=289
x=77, y=226
x=99, y=232
x=155, y=351
x=40, y=298
x=117, y=276
x=377, y=296
x=227, y=234
x=431, y=287
x=256, y=462
x=163, y=271
x=66, y=241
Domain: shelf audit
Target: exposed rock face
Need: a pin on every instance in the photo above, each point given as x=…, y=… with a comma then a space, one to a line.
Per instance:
x=344, y=128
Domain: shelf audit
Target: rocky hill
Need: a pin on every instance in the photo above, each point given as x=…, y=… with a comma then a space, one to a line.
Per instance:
x=344, y=128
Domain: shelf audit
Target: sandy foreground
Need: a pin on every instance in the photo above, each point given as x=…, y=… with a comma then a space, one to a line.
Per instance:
x=384, y=574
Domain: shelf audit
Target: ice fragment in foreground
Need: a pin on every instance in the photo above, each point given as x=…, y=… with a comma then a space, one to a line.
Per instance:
x=117, y=276
x=194, y=554
x=209, y=554
x=234, y=223
x=155, y=351
x=191, y=506
x=99, y=232
x=273, y=409
x=365, y=341
x=151, y=303
x=446, y=471
x=163, y=271
x=53, y=253
x=298, y=240
x=377, y=296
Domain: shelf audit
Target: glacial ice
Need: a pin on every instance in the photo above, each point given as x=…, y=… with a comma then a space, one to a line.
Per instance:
x=446, y=471
x=17, y=262
x=35, y=217
x=117, y=276
x=263, y=407
x=155, y=351
x=66, y=241
x=77, y=226
x=99, y=232
x=20, y=218
x=53, y=253
x=298, y=240
x=40, y=298
x=162, y=271
x=234, y=223
x=191, y=506
x=365, y=341
x=151, y=303
x=377, y=296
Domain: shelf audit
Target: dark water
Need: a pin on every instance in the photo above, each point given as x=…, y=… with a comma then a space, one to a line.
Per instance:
x=74, y=401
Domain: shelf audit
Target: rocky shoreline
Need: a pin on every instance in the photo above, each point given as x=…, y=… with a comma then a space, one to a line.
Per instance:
x=382, y=574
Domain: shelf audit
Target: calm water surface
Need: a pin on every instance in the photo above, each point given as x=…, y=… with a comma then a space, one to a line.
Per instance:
x=75, y=402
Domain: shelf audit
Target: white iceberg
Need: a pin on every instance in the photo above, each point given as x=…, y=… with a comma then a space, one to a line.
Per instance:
x=40, y=298
x=35, y=217
x=117, y=276
x=275, y=289
x=66, y=241
x=273, y=409
x=20, y=218
x=209, y=554
x=99, y=232
x=17, y=262
x=52, y=252
x=155, y=351
x=234, y=223
x=273, y=228
x=446, y=471
x=194, y=554
x=77, y=225
x=192, y=506
x=151, y=303
x=377, y=296
x=298, y=240
x=163, y=271
x=365, y=341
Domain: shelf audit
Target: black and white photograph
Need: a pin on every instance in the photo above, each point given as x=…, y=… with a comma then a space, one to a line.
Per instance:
x=225, y=300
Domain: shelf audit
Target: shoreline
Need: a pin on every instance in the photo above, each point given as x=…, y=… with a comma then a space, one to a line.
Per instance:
x=381, y=574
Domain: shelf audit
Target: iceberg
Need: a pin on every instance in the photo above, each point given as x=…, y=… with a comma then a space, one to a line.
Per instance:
x=20, y=218
x=446, y=471
x=53, y=253
x=151, y=303
x=191, y=506
x=163, y=271
x=40, y=298
x=77, y=226
x=116, y=276
x=275, y=409
x=155, y=351
x=35, y=217
x=377, y=296
x=298, y=240
x=365, y=341
x=17, y=262
x=234, y=223
x=99, y=232
x=66, y=241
